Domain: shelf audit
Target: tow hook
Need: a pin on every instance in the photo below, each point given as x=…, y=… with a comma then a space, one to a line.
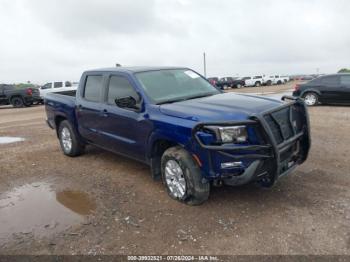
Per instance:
x=266, y=182
x=217, y=183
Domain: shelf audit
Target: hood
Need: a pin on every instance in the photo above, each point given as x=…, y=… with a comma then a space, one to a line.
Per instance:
x=221, y=107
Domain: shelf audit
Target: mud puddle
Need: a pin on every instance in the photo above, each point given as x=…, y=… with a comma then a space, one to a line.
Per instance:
x=9, y=139
x=37, y=210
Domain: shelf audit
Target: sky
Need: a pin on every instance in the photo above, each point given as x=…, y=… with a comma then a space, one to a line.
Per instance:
x=51, y=40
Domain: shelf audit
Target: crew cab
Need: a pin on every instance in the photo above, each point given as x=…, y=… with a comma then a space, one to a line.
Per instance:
x=328, y=89
x=191, y=134
x=18, y=97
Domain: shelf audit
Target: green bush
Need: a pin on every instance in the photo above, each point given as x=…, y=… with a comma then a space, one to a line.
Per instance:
x=23, y=85
x=344, y=70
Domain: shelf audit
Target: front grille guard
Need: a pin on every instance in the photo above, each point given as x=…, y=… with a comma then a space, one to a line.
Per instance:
x=269, y=150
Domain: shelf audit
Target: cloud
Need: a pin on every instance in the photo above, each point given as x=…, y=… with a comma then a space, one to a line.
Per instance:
x=44, y=40
x=92, y=18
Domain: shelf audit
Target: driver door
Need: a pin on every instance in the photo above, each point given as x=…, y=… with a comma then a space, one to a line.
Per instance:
x=123, y=130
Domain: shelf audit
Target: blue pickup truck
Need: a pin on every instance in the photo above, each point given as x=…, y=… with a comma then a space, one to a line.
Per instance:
x=191, y=134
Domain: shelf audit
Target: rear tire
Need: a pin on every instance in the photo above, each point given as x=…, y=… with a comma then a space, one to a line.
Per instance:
x=70, y=144
x=17, y=102
x=182, y=177
x=269, y=83
x=310, y=98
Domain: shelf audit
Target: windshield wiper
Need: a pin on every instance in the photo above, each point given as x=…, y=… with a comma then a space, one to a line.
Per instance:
x=184, y=98
x=171, y=101
x=200, y=96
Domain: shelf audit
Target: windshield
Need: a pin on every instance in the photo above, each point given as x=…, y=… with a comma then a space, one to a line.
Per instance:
x=173, y=85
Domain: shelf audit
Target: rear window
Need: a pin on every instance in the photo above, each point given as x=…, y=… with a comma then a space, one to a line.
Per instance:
x=58, y=84
x=93, y=88
x=329, y=80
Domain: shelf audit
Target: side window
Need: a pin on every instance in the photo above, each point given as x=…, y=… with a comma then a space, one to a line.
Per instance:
x=93, y=88
x=330, y=80
x=57, y=84
x=316, y=81
x=345, y=80
x=47, y=86
x=120, y=87
x=68, y=84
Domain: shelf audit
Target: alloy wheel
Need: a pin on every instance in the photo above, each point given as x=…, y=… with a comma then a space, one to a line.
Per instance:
x=66, y=139
x=175, y=179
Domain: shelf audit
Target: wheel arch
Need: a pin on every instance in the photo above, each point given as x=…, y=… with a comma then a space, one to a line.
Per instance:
x=157, y=145
x=58, y=120
x=310, y=90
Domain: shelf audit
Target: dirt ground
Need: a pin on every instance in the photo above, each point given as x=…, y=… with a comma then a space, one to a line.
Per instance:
x=101, y=203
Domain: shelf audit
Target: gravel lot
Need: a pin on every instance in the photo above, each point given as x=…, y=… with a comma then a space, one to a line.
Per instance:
x=101, y=203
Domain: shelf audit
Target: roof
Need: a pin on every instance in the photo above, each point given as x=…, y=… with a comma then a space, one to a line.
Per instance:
x=135, y=69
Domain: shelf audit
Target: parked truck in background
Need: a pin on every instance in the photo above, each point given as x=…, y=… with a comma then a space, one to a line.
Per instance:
x=191, y=134
x=230, y=82
x=254, y=81
x=18, y=97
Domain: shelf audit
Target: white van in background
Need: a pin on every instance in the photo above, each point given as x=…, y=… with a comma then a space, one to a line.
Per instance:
x=57, y=86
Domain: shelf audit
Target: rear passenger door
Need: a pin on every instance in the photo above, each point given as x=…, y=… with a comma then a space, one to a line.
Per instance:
x=123, y=130
x=345, y=84
x=58, y=86
x=89, y=108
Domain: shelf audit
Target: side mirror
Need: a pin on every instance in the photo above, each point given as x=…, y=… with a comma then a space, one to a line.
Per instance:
x=126, y=102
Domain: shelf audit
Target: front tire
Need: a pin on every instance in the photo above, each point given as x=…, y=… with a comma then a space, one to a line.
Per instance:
x=70, y=144
x=182, y=177
x=310, y=98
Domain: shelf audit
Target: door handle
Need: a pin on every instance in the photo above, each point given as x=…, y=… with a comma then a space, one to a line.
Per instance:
x=104, y=113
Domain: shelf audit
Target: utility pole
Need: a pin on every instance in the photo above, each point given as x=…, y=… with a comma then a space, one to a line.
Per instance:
x=205, y=65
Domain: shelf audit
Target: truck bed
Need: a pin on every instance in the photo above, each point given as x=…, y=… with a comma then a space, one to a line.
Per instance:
x=65, y=97
x=62, y=104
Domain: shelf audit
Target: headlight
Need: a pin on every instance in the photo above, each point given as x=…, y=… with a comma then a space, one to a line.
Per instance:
x=233, y=134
